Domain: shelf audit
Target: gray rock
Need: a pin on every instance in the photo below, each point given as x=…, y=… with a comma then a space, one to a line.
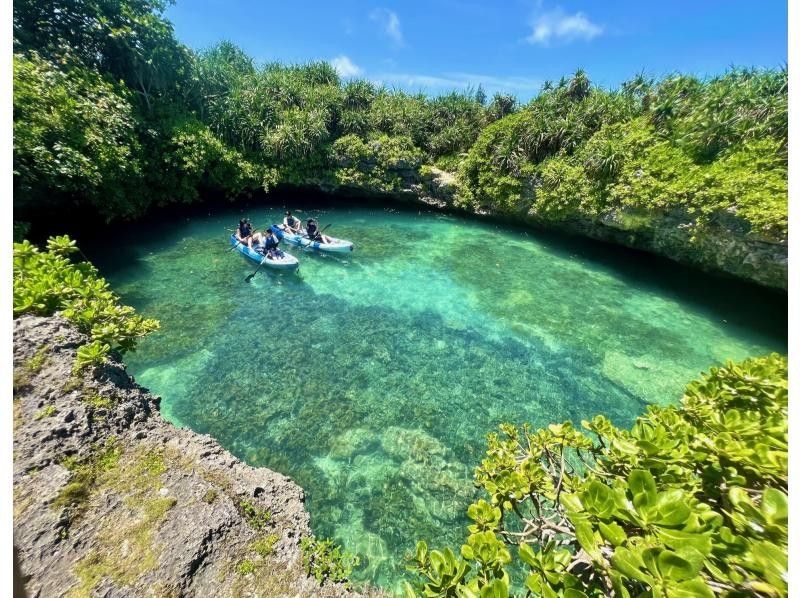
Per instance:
x=159, y=514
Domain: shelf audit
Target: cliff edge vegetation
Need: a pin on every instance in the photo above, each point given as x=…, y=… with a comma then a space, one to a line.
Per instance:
x=692, y=501
x=111, y=499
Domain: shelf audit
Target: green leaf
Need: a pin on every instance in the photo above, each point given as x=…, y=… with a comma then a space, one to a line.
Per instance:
x=598, y=499
x=617, y=584
x=673, y=567
x=630, y=564
x=527, y=555
x=643, y=488
x=585, y=536
x=775, y=506
x=422, y=551
x=498, y=588
x=693, y=588
x=612, y=532
x=676, y=539
x=571, y=502
x=672, y=508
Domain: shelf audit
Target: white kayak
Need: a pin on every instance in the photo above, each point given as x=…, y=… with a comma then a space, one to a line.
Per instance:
x=286, y=262
x=335, y=246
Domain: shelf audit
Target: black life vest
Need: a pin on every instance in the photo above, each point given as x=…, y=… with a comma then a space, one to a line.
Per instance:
x=270, y=242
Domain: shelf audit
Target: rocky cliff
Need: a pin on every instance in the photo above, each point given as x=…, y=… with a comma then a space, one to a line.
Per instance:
x=112, y=500
x=724, y=247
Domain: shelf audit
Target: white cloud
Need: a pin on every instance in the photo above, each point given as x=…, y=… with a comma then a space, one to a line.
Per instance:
x=460, y=81
x=390, y=23
x=556, y=25
x=345, y=67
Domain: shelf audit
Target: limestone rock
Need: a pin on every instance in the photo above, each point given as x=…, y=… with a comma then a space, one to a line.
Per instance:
x=112, y=500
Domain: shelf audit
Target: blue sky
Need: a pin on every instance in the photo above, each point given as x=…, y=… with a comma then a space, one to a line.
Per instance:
x=514, y=46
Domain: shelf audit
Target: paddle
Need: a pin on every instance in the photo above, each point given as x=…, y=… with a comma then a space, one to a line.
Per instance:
x=249, y=278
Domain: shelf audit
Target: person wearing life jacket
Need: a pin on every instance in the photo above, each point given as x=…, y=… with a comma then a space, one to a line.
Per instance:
x=266, y=244
x=244, y=232
x=313, y=232
x=292, y=224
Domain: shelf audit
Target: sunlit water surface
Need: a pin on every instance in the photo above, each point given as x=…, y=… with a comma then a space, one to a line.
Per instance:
x=372, y=378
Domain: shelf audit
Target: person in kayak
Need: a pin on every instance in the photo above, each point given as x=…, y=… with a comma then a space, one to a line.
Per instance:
x=292, y=224
x=266, y=244
x=244, y=233
x=313, y=232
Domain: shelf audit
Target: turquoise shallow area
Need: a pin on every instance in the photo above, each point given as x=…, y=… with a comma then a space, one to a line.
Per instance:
x=372, y=378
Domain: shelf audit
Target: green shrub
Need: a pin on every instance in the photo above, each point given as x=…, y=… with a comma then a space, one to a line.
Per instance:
x=378, y=163
x=246, y=567
x=47, y=282
x=256, y=516
x=194, y=160
x=265, y=546
x=74, y=141
x=48, y=411
x=325, y=560
x=691, y=501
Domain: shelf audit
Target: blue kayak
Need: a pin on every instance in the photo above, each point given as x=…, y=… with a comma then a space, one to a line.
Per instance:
x=335, y=246
x=287, y=262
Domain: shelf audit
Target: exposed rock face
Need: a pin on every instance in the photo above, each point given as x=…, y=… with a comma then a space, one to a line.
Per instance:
x=723, y=248
x=112, y=500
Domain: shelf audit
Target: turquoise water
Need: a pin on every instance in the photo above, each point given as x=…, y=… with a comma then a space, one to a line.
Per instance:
x=372, y=378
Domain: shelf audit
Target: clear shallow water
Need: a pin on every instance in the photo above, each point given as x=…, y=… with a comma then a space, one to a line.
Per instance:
x=372, y=378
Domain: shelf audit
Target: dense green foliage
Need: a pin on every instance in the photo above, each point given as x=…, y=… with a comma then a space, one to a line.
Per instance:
x=74, y=137
x=113, y=114
x=714, y=152
x=692, y=501
x=46, y=282
x=325, y=561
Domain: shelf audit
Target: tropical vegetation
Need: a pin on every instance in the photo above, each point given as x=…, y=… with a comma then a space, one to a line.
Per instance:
x=112, y=115
x=690, y=502
x=46, y=282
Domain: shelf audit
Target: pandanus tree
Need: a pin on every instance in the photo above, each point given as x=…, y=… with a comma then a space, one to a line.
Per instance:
x=579, y=85
x=500, y=106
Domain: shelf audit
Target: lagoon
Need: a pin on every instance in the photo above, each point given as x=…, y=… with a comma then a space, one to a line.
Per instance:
x=372, y=378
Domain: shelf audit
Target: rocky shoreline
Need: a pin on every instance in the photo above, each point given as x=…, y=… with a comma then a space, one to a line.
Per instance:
x=723, y=248
x=110, y=499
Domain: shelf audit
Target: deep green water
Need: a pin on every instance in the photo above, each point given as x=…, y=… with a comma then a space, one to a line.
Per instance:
x=372, y=378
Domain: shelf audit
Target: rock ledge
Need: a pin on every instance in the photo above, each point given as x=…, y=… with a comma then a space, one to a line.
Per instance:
x=112, y=500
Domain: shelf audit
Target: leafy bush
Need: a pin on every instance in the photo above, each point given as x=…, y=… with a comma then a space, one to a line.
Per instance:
x=325, y=560
x=47, y=282
x=112, y=113
x=257, y=517
x=193, y=159
x=380, y=163
x=692, y=501
x=74, y=139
